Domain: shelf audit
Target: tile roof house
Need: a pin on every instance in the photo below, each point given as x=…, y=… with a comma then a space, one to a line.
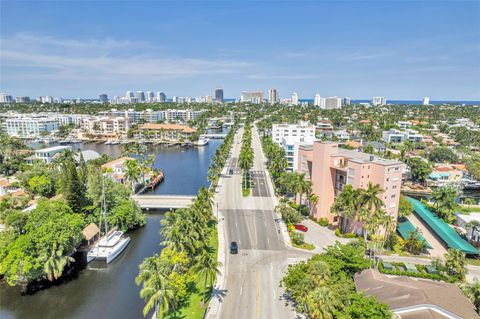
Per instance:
x=410, y=298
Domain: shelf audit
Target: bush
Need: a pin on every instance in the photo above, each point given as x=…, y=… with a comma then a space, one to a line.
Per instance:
x=420, y=274
x=323, y=222
x=346, y=235
x=297, y=239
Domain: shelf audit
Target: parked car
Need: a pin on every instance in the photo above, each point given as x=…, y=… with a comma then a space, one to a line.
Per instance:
x=233, y=247
x=230, y=172
x=301, y=227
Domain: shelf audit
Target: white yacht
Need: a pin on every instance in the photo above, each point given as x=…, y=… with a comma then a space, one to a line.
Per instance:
x=202, y=141
x=109, y=247
x=112, y=244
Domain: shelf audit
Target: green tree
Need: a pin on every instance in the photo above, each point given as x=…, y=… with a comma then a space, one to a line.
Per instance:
x=133, y=172
x=413, y=244
x=206, y=265
x=323, y=302
x=346, y=205
x=420, y=169
x=405, y=208
x=56, y=263
x=445, y=205
x=455, y=263
x=442, y=155
x=472, y=291
x=364, y=307
x=289, y=214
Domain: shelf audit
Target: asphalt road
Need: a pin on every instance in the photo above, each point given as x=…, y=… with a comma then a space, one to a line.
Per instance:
x=252, y=276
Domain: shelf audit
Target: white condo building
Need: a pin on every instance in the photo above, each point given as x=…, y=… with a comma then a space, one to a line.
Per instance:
x=295, y=99
x=317, y=100
x=290, y=145
x=303, y=129
x=426, y=101
x=397, y=136
x=379, y=100
x=21, y=125
x=6, y=98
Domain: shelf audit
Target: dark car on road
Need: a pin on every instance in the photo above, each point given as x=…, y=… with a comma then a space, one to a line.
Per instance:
x=233, y=247
x=230, y=172
x=301, y=227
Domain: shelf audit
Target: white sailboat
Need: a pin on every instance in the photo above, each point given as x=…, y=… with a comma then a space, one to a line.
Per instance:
x=112, y=244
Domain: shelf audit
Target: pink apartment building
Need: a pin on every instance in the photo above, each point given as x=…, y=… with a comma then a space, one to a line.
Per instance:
x=331, y=168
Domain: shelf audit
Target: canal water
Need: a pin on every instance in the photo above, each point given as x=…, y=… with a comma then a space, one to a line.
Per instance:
x=111, y=292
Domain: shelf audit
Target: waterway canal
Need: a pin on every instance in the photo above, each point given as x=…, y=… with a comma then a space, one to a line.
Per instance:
x=111, y=292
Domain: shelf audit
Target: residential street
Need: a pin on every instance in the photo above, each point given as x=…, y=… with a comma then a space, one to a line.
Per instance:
x=250, y=287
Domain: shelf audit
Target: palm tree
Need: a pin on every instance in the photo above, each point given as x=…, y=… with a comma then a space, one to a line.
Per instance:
x=301, y=186
x=312, y=201
x=245, y=162
x=156, y=290
x=133, y=172
x=322, y=303
x=56, y=263
x=179, y=232
x=345, y=205
x=455, y=263
x=207, y=266
x=369, y=201
x=445, y=204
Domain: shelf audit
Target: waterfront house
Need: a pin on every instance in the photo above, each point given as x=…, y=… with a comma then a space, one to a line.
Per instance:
x=47, y=154
x=166, y=132
x=116, y=169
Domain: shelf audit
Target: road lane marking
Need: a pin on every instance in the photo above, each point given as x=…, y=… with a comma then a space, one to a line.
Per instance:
x=241, y=290
x=274, y=296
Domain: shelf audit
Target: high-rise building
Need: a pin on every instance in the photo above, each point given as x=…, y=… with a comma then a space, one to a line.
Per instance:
x=150, y=97
x=379, y=100
x=219, y=95
x=129, y=94
x=140, y=96
x=426, y=100
x=103, y=98
x=346, y=101
x=332, y=103
x=161, y=97
x=252, y=97
x=317, y=101
x=294, y=98
x=22, y=99
x=175, y=99
x=273, y=96
x=6, y=98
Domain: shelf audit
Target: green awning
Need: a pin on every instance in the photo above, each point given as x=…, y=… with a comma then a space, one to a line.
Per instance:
x=445, y=232
x=406, y=228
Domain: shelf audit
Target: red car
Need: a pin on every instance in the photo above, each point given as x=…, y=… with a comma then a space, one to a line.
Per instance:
x=301, y=227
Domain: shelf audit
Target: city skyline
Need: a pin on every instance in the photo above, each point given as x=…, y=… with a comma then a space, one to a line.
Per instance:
x=74, y=49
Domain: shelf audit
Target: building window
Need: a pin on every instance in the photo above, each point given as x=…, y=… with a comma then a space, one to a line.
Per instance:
x=393, y=196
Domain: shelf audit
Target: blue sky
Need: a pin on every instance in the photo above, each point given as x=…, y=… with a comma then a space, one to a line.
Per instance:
x=397, y=49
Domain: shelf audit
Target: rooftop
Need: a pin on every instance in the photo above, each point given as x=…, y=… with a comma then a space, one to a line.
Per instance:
x=361, y=157
x=416, y=298
x=117, y=161
x=54, y=148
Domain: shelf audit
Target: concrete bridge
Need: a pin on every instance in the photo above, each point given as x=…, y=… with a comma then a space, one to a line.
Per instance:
x=215, y=136
x=164, y=201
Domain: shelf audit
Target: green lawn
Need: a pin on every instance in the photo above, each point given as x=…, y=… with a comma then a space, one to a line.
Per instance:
x=193, y=308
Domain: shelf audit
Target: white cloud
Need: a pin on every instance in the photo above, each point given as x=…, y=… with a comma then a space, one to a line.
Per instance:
x=102, y=59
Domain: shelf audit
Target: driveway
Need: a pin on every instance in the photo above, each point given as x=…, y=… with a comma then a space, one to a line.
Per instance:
x=320, y=236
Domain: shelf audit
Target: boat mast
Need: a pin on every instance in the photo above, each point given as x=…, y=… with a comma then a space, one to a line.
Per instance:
x=104, y=204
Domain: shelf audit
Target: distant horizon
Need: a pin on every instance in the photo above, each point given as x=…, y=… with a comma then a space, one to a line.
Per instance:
x=343, y=48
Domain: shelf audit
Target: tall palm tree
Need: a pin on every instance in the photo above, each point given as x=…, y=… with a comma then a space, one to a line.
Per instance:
x=322, y=303
x=369, y=200
x=312, y=201
x=207, y=265
x=133, y=172
x=245, y=162
x=301, y=186
x=156, y=290
x=56, y=263
x=345, y=205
